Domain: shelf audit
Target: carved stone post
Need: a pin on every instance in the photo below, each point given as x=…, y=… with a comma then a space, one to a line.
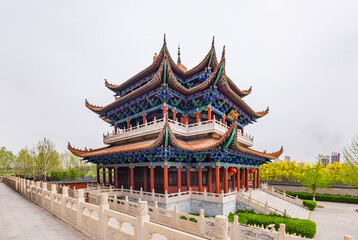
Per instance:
x=64, y=196
x=53, y=191
x=234, y=228
x=282, y=232
x=155, y=210
x=142, y=217
x=201, y=222
x=80, y=199
x=221, y=228
x=175, y=215
x=103, y=206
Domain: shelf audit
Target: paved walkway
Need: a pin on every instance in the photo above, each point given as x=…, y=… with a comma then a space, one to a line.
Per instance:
x=23, y=219
x=335, y=220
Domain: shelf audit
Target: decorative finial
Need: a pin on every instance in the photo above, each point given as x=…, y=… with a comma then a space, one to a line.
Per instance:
x=179, y=60
x=212, y=43
x=165, y=40
x=223, y=53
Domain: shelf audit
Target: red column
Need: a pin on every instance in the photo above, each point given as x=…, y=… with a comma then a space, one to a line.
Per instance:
x=247, y=179
x=217, y=179
x=115, y=128
x=98, y=177
x=110, y=176
x=182, y=119
x=145, y=179
x=209, y=113
x=197, y=117
x=186, y=120
x=233, y=181
x=188, y=178
x=164, y=109
x=242, y=178
x=104, y=176
x=209, y=178
x=200, y=179
x=128, y=124
x=116, y=177
x=224, y=119
x=179, y=177
x=225, y=180
x=242, y=130
x=144, y=118
x=132, y=177
x=258, y=178
x=238, y=179
x=151, y=178
x=174, y=115
x=165, y=178
x=255, y=179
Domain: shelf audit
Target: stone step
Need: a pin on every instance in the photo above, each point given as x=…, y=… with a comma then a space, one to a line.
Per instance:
x=292, y=209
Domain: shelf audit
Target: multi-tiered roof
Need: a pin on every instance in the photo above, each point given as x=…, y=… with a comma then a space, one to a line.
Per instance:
x=148, y=106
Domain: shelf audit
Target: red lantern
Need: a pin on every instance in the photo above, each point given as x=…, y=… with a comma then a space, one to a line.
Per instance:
x=232, y=171
x=252, y=171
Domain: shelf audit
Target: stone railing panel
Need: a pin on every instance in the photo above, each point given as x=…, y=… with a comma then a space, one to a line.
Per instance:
x=90, y=218
x=119, y=225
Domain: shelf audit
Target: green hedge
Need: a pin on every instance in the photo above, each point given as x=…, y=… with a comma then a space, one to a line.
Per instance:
x=305, y=228
x=311, y=205
x=326, y=197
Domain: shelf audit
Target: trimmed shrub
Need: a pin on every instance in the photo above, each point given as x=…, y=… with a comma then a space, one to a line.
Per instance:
x=305, y=228
x=326, y=197
x=311, y=205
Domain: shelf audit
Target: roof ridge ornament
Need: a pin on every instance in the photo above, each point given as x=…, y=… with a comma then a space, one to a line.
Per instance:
x=179, y=60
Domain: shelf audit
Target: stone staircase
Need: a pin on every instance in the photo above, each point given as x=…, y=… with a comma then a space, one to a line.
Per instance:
x=277, y=203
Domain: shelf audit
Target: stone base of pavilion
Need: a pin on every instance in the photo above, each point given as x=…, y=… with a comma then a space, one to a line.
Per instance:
x=187, y=202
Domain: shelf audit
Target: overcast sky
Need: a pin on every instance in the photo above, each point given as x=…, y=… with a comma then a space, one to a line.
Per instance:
x=301, y=57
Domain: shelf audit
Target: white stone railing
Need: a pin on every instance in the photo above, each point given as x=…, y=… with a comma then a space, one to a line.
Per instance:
x=163, y=198
x=194, y=129
x=262, y=207
x=120, y=219
x=281, y=194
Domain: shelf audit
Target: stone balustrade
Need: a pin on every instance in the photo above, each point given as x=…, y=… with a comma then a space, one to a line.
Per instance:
x=194, y=129
x=259, y=206
x=164, y=198
x=281, y=194
x=113, y=218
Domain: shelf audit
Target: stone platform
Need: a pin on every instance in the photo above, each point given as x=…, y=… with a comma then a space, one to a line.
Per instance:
x=22, y=219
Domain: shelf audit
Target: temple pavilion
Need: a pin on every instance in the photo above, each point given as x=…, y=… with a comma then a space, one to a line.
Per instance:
x=175, y=128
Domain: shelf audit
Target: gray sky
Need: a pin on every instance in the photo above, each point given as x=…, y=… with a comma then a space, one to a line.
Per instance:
x=301, y=58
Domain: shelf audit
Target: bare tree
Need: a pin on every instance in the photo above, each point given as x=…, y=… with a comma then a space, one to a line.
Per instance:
x=350, y=154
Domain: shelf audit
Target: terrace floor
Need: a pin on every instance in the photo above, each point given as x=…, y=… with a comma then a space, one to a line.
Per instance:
x=22, y=219
x=335, y=220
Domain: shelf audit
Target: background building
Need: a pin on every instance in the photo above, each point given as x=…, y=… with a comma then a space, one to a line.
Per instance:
x=335, y=157
x=325, y=160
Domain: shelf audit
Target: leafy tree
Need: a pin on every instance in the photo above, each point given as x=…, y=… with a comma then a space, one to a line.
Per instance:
x=70, y=161
x=46, y=158
x=314, y=178
x=350, y=154
x=6, y=160
x=24, y=164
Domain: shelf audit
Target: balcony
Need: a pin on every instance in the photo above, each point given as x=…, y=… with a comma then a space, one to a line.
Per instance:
x=179, y=129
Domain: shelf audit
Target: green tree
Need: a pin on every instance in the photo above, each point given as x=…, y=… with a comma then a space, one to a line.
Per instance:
x=6, y=160
x=24, y=164
x=70, y=161
x=46, y=158
x=314, y=178
x=350, y=154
